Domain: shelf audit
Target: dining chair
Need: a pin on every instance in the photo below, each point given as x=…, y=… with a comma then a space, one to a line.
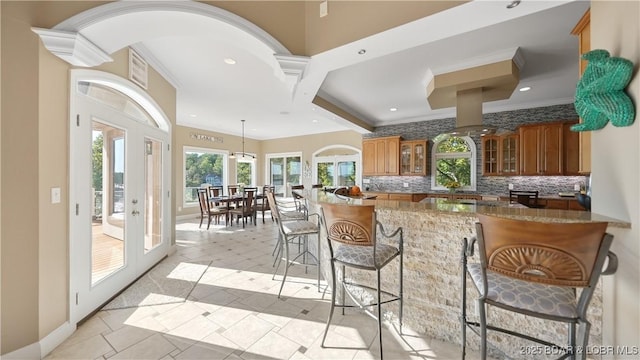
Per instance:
x=245, y=206
x=352, y=239
x=262, y=204
x=317, y=186
x=208, y=210
x=543, y=270
x=525, y=197
x=222, y=208
x=289, y=231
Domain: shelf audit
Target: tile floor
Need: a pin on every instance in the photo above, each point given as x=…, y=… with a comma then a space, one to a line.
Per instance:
x=234, y=313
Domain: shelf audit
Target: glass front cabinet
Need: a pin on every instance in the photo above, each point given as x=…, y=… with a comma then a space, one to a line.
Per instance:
x=500, y=155
x=413, y=157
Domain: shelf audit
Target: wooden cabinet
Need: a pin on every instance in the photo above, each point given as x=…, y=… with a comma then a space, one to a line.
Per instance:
x=413, y=157
x=500, y=155
x=571, y=145
x=541, y=150
x=380, y=156
x=403, y=197
x=490, y=152
x=583, y=31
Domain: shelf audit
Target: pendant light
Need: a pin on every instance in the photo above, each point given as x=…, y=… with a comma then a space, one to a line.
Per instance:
x=242, y=154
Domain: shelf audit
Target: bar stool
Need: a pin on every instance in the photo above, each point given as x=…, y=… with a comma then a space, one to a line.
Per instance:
x=535, y=268
x=291, y=230
x=352, y=229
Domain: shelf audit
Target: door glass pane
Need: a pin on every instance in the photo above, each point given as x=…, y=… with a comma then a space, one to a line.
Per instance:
x=294, y=170
x=152, y=194
x=346, y=173
x=276, y=168
x=107, y=230
x=325, y=173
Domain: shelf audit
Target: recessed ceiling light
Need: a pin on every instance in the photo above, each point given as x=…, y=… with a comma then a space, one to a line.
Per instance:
x=229, y=61
x=513, y=4
x=526, y=88
x=393, y=109
x=362, y=52
x=193, y=115
x=314, y=120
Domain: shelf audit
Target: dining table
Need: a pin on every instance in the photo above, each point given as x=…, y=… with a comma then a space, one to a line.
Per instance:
x=234, y=200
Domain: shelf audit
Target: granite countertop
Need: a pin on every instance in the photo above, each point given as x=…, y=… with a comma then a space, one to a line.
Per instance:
x=469, y=207
x=541, y=196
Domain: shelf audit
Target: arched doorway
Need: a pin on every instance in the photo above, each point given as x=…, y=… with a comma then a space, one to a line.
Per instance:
x=337, y=165
x=119, y=187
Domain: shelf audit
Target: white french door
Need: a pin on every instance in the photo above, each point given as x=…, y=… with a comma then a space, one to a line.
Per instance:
x=118, y=198
x=334, y=171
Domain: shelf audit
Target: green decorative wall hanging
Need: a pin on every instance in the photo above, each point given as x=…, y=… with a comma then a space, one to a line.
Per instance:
x=600, y=95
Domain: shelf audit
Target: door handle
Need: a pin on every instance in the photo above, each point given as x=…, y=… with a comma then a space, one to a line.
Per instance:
x=134, y=201
x=135, y=213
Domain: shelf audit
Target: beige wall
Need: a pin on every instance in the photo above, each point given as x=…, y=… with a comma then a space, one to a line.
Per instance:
x=34, y=158
x=20, y=215
x=615, y=173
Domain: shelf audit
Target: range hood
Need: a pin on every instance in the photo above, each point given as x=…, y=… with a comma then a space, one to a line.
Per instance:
x=469, y=88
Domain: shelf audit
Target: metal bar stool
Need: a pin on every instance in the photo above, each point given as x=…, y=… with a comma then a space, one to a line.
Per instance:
x=352, y=241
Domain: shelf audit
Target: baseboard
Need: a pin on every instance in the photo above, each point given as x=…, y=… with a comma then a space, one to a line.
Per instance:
x=187, y=217
x=28, y=352
x=55, y=338
x=42, y=348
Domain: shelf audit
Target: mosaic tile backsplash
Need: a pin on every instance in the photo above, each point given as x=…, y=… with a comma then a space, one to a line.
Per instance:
x=494, y=185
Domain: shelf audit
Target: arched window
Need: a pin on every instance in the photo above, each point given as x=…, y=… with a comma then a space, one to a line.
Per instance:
x=454, y=161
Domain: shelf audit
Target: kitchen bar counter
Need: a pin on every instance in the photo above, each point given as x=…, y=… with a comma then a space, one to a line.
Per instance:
x=433, y=232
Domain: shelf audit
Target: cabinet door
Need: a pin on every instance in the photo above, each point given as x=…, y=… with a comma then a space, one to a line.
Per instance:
x=392, y=152
x=419, y=158
x=368, y=157
x=571, y=145
x=529, y=150
x=406, y=152
x=490, y=155
x=509, y=160
x=381, y=156
x=552, y=150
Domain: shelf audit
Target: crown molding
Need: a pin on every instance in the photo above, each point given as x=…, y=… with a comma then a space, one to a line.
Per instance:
x=293, y=67
x=72, y=47
x=118, y=8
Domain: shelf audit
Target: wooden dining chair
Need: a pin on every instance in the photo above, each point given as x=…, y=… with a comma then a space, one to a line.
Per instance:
x=262, y=203
x=246, y=206
x=208, y=210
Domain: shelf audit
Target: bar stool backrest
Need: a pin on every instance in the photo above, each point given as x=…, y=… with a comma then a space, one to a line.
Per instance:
x=350, y=224
x=563, y=254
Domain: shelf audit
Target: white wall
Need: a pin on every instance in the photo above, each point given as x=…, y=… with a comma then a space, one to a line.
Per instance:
x=616, y=176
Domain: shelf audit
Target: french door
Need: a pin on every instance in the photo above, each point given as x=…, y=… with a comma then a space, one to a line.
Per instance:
x=334, y=171
x=284, y=170
x=118, y=197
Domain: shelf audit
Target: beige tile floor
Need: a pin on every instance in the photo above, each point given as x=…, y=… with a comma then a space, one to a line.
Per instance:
x=234, y=313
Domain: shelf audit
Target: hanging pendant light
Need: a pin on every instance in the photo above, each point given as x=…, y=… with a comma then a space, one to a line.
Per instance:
x=242, y=154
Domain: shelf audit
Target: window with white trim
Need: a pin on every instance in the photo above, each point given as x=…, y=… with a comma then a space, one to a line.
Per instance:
x=202, y=166
x=246, y=171
x=454, y=163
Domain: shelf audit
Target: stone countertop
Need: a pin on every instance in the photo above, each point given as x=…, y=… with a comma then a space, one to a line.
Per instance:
x=541, y=196
x=470, y=207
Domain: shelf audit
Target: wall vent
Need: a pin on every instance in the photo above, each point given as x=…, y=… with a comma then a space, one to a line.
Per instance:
x=137, y=69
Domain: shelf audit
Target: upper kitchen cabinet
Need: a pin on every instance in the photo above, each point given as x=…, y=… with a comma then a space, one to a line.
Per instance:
x=380, y=156
x=500, y=155
x=571, y=143
x=583, y=31
x=413, y=157
x=541, y=150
